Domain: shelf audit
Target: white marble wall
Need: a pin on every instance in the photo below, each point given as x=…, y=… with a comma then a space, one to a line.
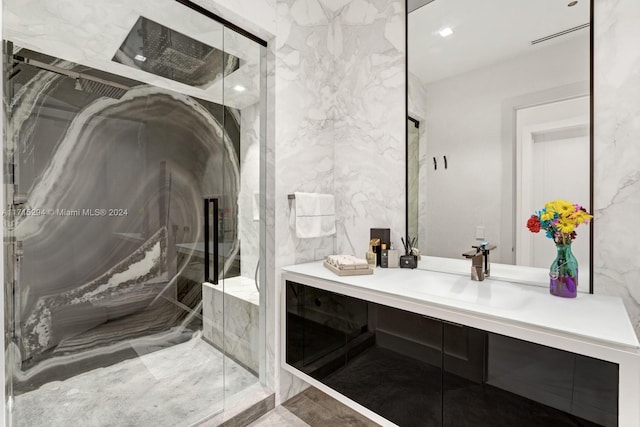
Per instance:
x=339, y=121
x=304, y=137
x=370, y=119
x=248, y=196
x=617, y=152
x=231, y=320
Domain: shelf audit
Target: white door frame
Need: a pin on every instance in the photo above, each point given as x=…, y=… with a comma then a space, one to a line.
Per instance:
x=524, y=179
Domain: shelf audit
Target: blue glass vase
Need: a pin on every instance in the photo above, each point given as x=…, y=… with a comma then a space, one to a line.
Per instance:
x=563, y=273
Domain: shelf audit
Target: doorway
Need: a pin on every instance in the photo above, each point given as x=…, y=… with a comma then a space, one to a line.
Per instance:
x=552, y=163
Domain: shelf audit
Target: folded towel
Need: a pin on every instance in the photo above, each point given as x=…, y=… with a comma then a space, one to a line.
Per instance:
x=314, y=215
x=347, y=262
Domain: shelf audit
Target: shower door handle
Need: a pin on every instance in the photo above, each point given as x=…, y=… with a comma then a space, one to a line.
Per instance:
x=208, y=202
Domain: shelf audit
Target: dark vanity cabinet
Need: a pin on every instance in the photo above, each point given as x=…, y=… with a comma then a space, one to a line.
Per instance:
x=416, y=370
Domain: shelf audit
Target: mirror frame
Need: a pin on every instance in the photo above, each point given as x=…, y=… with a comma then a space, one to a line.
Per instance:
x=591, y=130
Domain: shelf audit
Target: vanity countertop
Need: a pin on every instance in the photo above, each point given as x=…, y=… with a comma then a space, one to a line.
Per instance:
x=594, y=317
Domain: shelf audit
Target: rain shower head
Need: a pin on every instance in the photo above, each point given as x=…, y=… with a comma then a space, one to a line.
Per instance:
x=98, y=88
x=159, y=50
x=84, y=82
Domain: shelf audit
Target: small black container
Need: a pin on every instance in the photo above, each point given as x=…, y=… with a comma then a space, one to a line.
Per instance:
x=408, y=261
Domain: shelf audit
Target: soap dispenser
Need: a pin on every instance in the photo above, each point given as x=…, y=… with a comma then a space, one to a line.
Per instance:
x=394, y=257
x=371, y=256
x=384, y=260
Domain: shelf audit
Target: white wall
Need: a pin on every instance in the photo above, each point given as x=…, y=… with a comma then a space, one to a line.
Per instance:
x=464, y=121
x=617, y=152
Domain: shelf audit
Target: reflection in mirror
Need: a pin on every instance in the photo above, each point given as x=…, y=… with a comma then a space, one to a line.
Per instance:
x=502, y=89
x=413, y=183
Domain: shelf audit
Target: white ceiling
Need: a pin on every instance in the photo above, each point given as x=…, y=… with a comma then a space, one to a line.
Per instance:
x=88, y=32
x=485, y=32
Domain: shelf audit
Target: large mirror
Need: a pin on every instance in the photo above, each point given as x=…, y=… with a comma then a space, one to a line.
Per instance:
x=499, y=123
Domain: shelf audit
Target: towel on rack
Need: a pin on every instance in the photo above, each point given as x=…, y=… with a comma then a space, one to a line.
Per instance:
x=314, y=215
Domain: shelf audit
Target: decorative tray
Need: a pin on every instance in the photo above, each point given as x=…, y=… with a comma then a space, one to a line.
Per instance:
x=358, y=272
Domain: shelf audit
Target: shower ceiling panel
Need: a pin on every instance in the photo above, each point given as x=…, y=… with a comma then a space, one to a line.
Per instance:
x=90, y=32
x=157, y=49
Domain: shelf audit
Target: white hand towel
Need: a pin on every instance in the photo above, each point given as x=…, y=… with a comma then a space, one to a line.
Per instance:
x=315, y=215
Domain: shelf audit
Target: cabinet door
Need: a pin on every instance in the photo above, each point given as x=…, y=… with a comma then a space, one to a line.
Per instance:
x=315, y=330
x=521, y=383
x=396, y=369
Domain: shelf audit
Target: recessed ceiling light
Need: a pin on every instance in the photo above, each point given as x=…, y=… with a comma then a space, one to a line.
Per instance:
x=239, y=88
x=573, y=3
x=140, y=58
x=446, y=31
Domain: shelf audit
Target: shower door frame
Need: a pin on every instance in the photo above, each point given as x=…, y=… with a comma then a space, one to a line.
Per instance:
x=12, y=250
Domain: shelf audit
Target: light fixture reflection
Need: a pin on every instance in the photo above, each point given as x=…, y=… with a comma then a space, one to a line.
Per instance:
x=446, y=31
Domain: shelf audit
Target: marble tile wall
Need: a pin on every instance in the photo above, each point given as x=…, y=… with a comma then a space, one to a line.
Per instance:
x=339, y=114
x=617, y=152
x=248, y=196
x=231, y=320
x=370, y=119
x=304, y=135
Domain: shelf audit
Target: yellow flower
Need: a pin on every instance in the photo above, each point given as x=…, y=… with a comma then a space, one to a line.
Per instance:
x=547, y=215
x=550, y=206
x=564, y=208
x=566, y=225
x=580, y=217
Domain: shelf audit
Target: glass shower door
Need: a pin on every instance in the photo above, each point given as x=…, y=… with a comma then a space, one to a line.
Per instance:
x=112, y=319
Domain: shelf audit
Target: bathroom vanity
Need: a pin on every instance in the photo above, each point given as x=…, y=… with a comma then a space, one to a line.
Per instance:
x=427, y=348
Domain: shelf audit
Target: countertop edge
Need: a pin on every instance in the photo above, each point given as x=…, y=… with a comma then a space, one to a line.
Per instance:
x=384, y=296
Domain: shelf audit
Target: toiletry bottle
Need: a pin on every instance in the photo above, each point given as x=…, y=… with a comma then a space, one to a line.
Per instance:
x=394, y=257
x=371, y=256
x=384, y=260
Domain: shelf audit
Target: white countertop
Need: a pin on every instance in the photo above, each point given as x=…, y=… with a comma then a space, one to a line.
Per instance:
x=595, y=317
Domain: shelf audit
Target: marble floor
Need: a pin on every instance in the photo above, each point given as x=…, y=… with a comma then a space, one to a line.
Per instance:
x=176, y=386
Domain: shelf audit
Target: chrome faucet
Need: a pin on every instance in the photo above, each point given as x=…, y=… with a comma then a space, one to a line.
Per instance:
x=480, y=267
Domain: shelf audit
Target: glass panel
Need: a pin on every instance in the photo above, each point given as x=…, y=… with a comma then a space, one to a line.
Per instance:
x=492, y=380
x=109, y=169
x=240, y=213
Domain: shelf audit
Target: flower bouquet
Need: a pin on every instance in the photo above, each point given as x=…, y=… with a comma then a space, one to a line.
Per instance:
x=559, y=219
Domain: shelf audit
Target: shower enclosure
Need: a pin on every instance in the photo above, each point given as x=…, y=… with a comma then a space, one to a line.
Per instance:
x=133, y=213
